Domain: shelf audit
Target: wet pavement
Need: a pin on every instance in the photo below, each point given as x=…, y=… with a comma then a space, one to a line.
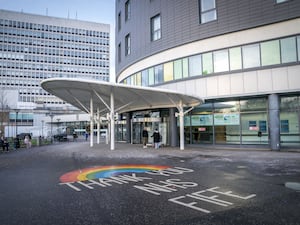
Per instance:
x=71, y=183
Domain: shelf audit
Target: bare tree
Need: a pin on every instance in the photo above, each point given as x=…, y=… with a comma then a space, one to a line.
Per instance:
x=3, y=110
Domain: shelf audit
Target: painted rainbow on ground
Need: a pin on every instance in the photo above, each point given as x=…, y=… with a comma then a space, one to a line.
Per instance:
x=107, y=171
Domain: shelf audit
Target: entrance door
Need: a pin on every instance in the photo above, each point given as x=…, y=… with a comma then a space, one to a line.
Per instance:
x=137, y=129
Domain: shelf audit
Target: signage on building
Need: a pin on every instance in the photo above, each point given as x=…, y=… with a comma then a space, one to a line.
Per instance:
x=227, y=119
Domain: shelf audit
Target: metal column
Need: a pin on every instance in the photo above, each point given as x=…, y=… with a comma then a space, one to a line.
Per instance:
x=274, y=122
x=112, y=121
x=91, y=122
x=98, y=126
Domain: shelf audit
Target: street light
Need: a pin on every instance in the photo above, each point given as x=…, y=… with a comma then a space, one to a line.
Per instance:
x=42, y=128
x=16, y=120
x=51, y=117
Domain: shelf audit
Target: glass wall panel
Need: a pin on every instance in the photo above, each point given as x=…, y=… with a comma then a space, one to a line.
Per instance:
x=288, y=50
x=139, y=79
x=208, y=16
x=251, y=56
x=235, y=56
x=298, y=47
x=133, y=79
x=158, y=74
x=185, y=67
x=270, y=53
x=195, y=65
x=177, y=69
x=290, y=121
x=207, y=63
x=227, y=128
x=202, y=128
x=226, y=107
x=168, y=71
x=251, y=124
x=255, y=104
x=221, y=61
x=145, y=81
x=151, y=76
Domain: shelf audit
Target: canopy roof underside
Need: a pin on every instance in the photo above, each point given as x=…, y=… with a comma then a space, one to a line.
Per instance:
x=79, y=92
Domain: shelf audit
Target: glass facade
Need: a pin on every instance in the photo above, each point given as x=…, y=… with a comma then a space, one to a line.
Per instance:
x=252, y=56
x=31, y=52
x=290, y=120
x=228, y=122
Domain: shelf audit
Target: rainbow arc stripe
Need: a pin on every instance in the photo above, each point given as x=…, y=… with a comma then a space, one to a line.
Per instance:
x=107, y=171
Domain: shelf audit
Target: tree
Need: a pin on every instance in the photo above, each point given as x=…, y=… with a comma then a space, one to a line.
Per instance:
x=4, y=110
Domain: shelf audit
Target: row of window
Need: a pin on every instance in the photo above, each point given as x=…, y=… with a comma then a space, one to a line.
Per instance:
x=267, y=53
x=53, y=36
x=28, y=42
x=11, y=82
x=51, y=28
x=40, y=75
x=44, y=66
x=207, y=10
x=51, y=57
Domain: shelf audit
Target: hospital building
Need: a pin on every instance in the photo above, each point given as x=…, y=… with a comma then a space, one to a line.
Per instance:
x=241, y=57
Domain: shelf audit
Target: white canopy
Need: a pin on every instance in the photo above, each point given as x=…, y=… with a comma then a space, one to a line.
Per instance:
x=105, y=97
x=78, y=92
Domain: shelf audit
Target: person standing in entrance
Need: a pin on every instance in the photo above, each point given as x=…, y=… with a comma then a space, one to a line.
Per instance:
x=156, y=138
x=145, y=138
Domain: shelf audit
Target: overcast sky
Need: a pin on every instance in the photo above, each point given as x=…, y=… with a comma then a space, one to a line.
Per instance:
x=100, y=11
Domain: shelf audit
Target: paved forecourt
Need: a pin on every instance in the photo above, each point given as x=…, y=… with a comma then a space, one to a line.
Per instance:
x=71, y=183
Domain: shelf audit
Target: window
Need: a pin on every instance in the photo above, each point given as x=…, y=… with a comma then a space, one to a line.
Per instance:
x=158, y=74
x=288, y=50
x=221, y=61
x=119, y=52
x=298, y=46
x=252, y=123
x=263, y=126
x=251, y=56
x=280, y=1
x=207, y=63
x=127, y=45
x=151, y=76
x=270, y=53
x=195, y=65
x=178, y=69
x=155, y=28
x=185, y=67
x=168, y=71
x=119, y=21
x=127, y=10
x=208, y=10
x=145, y=81
x=235, y=58
x=284, y=126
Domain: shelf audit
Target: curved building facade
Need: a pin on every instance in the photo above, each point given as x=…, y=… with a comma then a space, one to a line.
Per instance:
x=241, y=57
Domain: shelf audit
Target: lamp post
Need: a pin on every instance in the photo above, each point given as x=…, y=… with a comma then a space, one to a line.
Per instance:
x=16, y=120
x=51, y=117
x=42, y=128
x=58, y=125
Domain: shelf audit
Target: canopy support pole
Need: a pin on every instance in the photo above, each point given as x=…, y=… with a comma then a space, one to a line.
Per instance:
x=181, y=125
x=98, y=126
x=91, y=122
x=181, y=114
x=112, y=121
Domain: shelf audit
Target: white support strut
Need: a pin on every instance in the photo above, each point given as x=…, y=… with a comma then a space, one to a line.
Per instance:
x=181, y=114
x=91, y=122
x=98, y=126
x=112, y=121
